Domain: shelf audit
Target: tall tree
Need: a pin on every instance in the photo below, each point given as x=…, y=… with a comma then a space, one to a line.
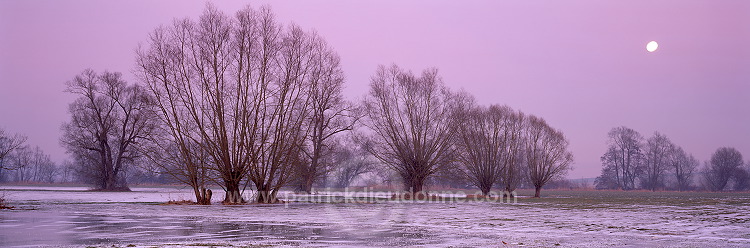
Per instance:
x=329, y=113
x=482, y=139
x=280, y=120
x=547, y=154
x=720, y=169
x=623, y=159
x=683, y=165
x=411, y=124
x=513, y=151
x=108, y=119
x=192, y=70
x=657, y=159
x=238, y=91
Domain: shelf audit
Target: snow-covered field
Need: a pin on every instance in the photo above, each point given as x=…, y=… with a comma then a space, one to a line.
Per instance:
x=57, y=216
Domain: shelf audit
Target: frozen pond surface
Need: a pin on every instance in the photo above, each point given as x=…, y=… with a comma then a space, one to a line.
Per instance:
x=57, y=216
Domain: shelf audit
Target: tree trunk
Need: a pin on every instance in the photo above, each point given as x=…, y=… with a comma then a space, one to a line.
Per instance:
x=486, y=189
x=198, y=196
x=308, y=185
x=266, y=194
x=537, y=191
x=509, y=192
x=233, y=195
x=414, y=188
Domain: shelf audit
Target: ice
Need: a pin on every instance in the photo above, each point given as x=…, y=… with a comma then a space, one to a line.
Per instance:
x=75, y=217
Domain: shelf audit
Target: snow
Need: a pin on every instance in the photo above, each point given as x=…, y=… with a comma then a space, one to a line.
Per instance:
x=75, y=217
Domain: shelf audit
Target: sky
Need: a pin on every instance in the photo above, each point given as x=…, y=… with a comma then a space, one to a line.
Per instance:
x=581, y=65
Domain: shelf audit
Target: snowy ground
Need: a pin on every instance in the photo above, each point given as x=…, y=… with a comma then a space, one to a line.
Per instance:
x=57, y=216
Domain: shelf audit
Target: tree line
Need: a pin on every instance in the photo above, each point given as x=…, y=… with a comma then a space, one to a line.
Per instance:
x=20, y=162
x=632, y=162
x=244, y=102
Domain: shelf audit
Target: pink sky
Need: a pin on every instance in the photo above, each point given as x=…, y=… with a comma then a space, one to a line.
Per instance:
x=581, y=65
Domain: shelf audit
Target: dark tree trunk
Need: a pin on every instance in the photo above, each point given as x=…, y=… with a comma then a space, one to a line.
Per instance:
x=537, y=191
x=308, y=185
x=509, y=192
x=266, y=194
x=414, y=186
x=233, y=195
x=485, y=191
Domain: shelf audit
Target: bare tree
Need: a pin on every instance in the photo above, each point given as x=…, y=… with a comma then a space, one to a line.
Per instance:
x=187, y=68
x=236, y=91
x=623, y=159
x=281, y=119
x=27, y=164
x=66, y=172
x=409, y=117
x=720, y=169
x=482, y=139
x=547, y=155
x=683, y=166
x=657, y=159
x=8, y=144
x=107, y=121
x=353, y=161
x=43, y=169
x=21, y=164
x=513, y=153
x=329, y=113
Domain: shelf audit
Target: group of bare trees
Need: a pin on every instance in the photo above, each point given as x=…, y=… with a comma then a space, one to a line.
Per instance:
x=656, y=163
x=22, y=163
x=244, y=100
x=500, y=145
x=419, y=127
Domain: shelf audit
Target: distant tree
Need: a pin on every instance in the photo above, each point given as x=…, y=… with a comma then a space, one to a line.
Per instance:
x=108, y=119
x=43, y=169
x=741, y=179
x=658, y=156
x=547, y=155
x=66, y=172
x=411, y=124
x=27, y=164
x=353, y=161
x=8, y=144
x=623, y=159
x=683, y=165
x=21, y=164
x=608, y=179
x=720, y=169
x=452, y=175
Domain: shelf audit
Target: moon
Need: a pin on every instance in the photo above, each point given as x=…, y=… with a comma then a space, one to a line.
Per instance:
x=652, y=46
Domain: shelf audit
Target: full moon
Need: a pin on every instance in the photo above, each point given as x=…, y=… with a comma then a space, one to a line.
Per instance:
x=652, y=46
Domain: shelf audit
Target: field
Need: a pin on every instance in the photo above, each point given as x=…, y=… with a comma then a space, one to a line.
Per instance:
x=72, y=216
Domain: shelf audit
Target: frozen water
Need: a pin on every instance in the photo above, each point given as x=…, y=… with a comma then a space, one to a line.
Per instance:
x=74, y=217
